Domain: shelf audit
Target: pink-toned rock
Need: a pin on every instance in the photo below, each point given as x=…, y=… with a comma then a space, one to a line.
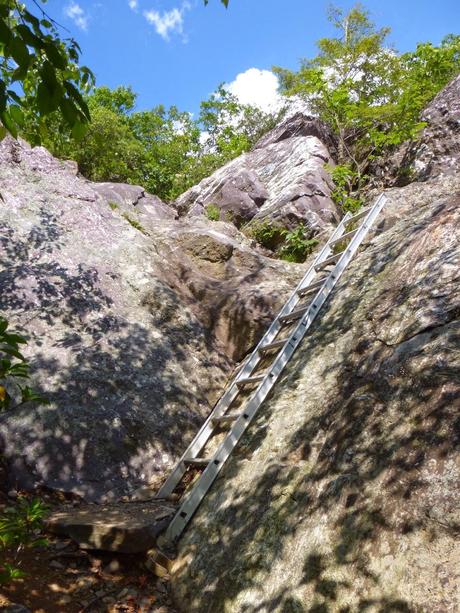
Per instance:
x=281, y=180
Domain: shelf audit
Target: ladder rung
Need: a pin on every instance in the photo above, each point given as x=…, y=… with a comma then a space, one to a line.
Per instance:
x=250, y=380
x=312, y=287
x=196, y=462
x=332, y=260
x=297, y=314
x=225, y=419
x=362, y=213
x=344, y=237
x=270, y=346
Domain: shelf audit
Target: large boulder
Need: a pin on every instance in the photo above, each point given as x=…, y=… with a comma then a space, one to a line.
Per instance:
x=281, y=180
x=134, y=322
x=343, y=495
x=437, y=152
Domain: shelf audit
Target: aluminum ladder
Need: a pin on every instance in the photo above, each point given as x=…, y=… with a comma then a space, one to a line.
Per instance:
x=277, y=346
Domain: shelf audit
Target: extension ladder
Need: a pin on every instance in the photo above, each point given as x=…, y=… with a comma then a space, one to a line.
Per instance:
x=277, y=346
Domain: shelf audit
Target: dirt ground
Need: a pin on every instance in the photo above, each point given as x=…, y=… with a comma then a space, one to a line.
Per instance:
x=61, y=577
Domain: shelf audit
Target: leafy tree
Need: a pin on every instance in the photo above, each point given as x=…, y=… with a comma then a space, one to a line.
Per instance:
x=39, y=74
x=161, y=149
x=370, y=95
x=170, y=139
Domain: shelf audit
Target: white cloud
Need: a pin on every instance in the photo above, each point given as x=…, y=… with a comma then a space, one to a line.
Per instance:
x=258, y=88
x=167, y=22
x=77, y=14
x=133, y=4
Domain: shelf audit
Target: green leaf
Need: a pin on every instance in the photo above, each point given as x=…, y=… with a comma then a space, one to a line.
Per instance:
x=9, y=124
x=18, y=116
x=5, y=33
x=47, y=101
x=79, y=130
x=11, y=351
x=76, y=95
x=33, y=21
x=19, y=74
x=48, y=74
x=12, y=94
x=19, y=52
x=15, y=338
x=69, y=111
x=55, y=57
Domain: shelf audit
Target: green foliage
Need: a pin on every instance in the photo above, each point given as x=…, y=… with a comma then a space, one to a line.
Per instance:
x=20, y=523
x=344, y=178
x=9, y=573
x=39, y=75
x=114, y=206
x=160, y=149
x=290, y=245
x=135, y=224
x=20, y=527
x=297, y=246
x=224, y=2
x=370, y=95
x=232, y=128
x=267, y=233
x=212, y=212
x=14, y=371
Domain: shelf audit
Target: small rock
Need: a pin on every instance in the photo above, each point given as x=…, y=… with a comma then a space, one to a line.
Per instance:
x=143, y=494
x=109, y=600
x=15, y=608
x=101, y=593
x=13, y=494
x=113, y=567
x=56, y=564
x=61, y=545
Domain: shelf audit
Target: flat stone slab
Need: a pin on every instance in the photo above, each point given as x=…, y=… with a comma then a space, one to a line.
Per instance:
x=125, y=528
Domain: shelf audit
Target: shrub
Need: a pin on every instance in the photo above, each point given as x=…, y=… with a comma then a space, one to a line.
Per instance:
x=212, y=212
x=113, y=205
x=297, y=246
x=20, y=527
x=344, y=178
x=266, y=233
x=14, y=369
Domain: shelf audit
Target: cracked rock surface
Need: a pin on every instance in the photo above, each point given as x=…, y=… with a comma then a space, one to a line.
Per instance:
x=134, y=322
x=344, y=494
x=281, y=180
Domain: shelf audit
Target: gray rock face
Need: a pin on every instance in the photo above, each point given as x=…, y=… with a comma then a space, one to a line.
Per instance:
x=133, y=198
x=282, y=179
x=344, y=493
x=134, y=321
x=438, y=151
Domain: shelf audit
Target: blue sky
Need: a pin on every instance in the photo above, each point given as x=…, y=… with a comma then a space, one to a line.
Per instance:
x=178, y=51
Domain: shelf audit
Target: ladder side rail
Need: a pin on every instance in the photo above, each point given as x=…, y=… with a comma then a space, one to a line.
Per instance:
x=193, y=500
x=232, y=391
